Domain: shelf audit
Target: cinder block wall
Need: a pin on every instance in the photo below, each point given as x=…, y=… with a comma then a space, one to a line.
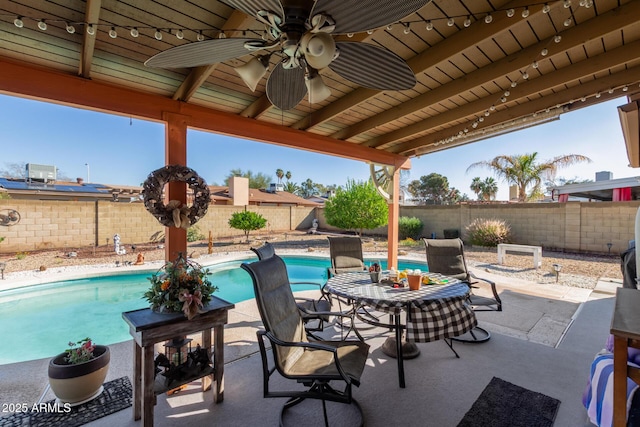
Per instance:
x=55, y=224
x=573, y=226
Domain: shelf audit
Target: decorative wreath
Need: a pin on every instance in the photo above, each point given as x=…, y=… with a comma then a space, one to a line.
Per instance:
x=175, y=213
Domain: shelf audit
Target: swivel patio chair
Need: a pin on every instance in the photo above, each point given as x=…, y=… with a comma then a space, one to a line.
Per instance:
x=320, y=366
x=346, y=255
x=446, y=256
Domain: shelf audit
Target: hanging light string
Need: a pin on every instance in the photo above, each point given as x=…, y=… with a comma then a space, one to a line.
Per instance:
x=199, y=34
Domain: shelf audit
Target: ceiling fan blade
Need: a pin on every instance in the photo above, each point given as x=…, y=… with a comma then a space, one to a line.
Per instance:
x=285, y=87
x=373, y=67
x=363, y=15
x=251, y=7
x=201, y=53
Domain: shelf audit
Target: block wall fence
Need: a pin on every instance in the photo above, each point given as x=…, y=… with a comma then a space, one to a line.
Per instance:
x=573, y=226
x=58, y=225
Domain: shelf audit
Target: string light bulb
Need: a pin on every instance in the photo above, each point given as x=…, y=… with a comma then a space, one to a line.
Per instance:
x=369, y=32
x=626, y=88
x=546, y=8
x=429, y=25
x=567, y=4
x=222, y=35
x=406, y=29
x=91, y=30
x=488, y=18
x=389, y=27
x=525, y=75
x=567, y=22
x=158, y=34
x=557, y=38
x=200, y=36
x=70, y=28
x=18, y=22
x=350, y=35
x=42, y=25
x=525, y=12
x=112, y=33
x=467, y=22
x=510, y=13
x=544, y=52
x=179, y=35
x=514, y=83
x=535, y=64
x=134, y=32
x=450, y=22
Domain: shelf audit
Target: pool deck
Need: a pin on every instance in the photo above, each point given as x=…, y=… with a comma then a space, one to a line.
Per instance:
x=539, y=321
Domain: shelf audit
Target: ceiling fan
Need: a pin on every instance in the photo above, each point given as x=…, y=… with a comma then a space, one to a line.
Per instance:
x=301, y=33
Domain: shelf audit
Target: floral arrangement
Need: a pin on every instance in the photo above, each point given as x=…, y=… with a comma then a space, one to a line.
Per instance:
x=79, y=352
x=181, y=285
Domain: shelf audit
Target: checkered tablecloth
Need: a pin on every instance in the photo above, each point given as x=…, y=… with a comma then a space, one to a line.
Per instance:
x=433, y=312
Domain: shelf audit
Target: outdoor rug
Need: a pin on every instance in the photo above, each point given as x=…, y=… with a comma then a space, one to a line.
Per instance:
x=115, y=397
x=503, y=404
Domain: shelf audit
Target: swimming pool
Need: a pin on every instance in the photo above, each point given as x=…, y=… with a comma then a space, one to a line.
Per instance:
x=38, y=321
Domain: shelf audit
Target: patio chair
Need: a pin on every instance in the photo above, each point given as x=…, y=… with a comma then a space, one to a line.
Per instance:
x=446, y=256
x=320, y=366
x=312, y=310
x=346, y=255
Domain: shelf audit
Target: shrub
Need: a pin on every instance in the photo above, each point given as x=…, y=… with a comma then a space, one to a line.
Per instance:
x=21, y=255
x=358, y=206
x=488, y=232
x=409, y=227
x=409, y=242
x=247, y=221
x=194, y=234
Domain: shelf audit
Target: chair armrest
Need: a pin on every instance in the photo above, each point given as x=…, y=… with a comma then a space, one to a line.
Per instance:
x=311, y=345
x=319, y=285
x=490, y=282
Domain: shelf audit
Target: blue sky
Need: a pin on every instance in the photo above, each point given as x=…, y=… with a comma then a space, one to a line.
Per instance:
x=123, y=151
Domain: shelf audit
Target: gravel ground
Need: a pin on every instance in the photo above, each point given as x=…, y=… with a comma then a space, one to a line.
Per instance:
x=579, y=270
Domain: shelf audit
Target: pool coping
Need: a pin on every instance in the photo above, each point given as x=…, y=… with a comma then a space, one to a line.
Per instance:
x=23, y=279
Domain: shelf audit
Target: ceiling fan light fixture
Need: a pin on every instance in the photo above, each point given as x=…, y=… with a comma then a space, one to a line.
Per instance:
x=319, y=49
x=316, y=88
x=253, y=71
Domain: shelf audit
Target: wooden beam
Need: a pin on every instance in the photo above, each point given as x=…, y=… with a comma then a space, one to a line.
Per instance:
x=37, y=83
x=199, y=75
x=429, y=58
x=576, y=36
x=175, y=146
x=582, y=69
x=91, y=16
x=426, y=144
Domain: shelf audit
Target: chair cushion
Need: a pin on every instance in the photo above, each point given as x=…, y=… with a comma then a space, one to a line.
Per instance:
x=319, y=363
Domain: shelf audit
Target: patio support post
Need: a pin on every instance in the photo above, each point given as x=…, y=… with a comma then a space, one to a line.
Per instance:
x=392, y=227
x=175, y=153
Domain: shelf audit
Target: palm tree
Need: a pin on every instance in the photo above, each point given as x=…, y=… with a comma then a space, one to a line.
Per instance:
x=476, y=186
x=279, y=174
x=489, y=189
x=523, y=171
x=288, y=175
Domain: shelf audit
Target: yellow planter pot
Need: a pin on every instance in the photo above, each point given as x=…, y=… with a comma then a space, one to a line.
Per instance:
x=76, y=384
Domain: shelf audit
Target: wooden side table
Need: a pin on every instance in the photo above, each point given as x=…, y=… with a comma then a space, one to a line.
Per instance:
x=148, y=328
x=625, y=328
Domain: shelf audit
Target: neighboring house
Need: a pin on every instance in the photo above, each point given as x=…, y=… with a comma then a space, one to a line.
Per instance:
x=603, y=189
x=80, y=191
x=67, y=191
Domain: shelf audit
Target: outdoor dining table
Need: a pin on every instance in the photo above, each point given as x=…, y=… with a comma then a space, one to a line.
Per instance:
x=433, y=312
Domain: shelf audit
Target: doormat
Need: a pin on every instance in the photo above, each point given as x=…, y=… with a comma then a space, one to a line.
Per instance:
x=503, y=404
x=115, y=397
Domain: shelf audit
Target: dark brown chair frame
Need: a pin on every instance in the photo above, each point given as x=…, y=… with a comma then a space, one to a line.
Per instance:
x=446, y=256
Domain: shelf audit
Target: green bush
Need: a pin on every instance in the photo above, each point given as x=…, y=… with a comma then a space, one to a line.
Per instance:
x=488, y=232
x=194, y=234
x=247, y=221
x=409, y=242
x=409, y=227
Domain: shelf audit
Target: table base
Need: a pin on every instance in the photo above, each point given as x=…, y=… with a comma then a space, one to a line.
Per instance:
x=409, y=349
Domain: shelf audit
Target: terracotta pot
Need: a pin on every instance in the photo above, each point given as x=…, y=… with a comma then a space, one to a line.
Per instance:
x=415, y=280
x=76, y=384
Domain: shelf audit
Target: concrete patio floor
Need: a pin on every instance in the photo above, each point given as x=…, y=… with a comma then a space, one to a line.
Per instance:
x=544, y=340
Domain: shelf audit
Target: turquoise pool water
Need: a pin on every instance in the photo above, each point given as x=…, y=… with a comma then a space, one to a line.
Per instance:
x=38, y=321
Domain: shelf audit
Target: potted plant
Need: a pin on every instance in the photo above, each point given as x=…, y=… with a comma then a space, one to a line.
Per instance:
x=180, y=286
x=76, y=376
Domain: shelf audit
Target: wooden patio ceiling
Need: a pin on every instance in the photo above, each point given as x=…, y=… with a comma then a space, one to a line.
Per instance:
x=482, y=67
